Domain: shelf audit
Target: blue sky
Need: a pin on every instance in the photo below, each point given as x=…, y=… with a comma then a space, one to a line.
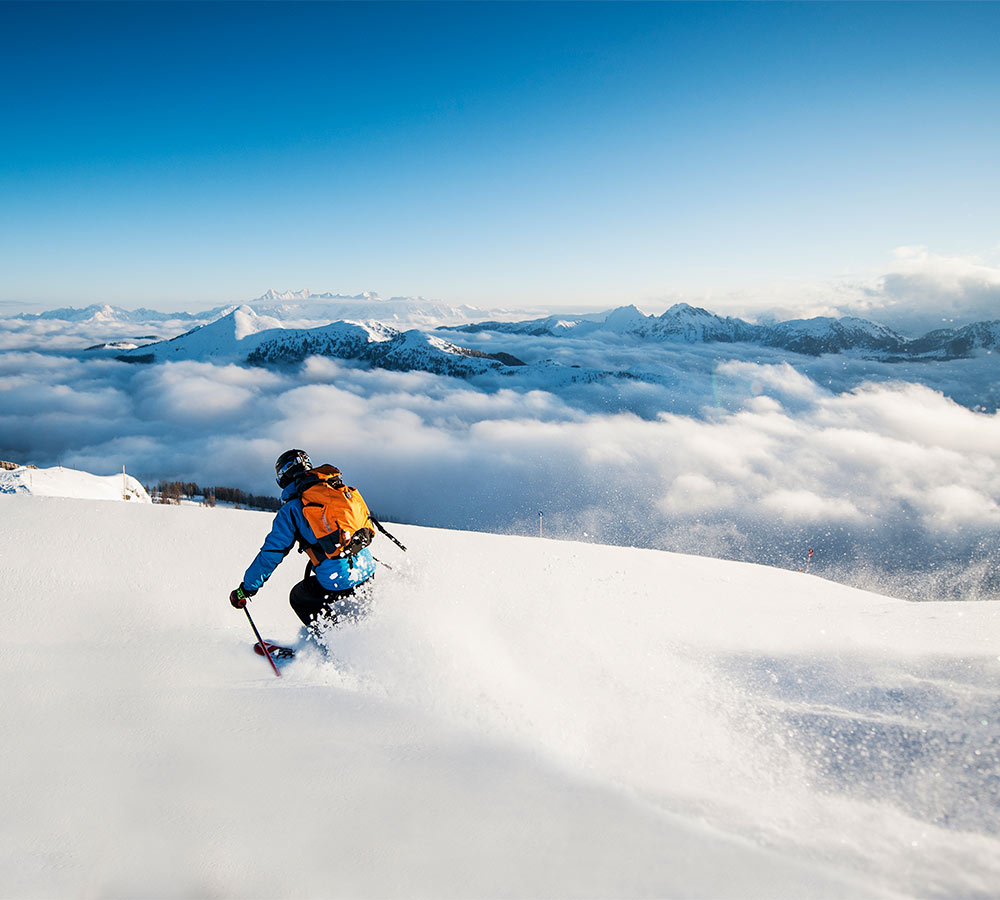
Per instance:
x=178, y=155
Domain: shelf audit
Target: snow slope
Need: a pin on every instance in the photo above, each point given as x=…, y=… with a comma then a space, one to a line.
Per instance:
x=230, y=336
x=518, y=718
x=60, y=482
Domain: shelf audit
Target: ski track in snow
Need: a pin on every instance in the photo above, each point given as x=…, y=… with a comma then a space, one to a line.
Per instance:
x=517, y=718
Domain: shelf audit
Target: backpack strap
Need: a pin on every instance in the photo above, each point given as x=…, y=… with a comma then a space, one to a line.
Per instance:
x=309, y=548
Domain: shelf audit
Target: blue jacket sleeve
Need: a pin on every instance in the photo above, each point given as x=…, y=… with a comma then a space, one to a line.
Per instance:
x=274, y=549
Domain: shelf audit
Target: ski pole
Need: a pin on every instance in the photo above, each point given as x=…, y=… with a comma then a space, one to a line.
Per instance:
x=260, y=641
x=378, y=525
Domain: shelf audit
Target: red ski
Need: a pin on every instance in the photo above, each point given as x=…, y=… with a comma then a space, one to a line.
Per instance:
x=277, y=651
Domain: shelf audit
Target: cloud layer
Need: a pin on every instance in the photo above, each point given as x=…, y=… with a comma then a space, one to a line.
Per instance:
x=891, y=482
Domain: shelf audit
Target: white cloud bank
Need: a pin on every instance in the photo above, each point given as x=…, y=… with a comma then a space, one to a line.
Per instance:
x=893, y=484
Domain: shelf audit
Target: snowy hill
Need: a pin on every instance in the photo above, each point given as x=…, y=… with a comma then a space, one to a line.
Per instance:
x=229, y=337
x=60, y=482
x=828, y=335
x=958, y=342
x=381, y=346
x=518, y=718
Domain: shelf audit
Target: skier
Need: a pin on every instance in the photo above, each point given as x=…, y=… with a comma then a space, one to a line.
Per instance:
x=340, y=574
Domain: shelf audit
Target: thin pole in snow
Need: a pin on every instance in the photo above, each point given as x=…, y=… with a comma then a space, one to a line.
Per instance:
x=539, y=523
x=263, y=646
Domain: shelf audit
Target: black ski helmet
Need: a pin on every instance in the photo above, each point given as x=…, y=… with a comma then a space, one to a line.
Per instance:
x=290, y=464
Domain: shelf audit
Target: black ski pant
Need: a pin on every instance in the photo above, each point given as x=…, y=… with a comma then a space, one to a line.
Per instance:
x=318, y=608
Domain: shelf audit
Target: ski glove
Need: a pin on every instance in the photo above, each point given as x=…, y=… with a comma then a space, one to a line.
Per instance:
x=240, y=596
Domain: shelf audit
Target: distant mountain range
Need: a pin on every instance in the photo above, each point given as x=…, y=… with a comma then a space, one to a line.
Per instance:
x=303, y=311
x=103, y=312
x=298, y=308
x=245, y=336
x=683, y=323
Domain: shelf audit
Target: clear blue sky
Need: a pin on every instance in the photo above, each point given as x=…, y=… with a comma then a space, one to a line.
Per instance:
x=180, y=154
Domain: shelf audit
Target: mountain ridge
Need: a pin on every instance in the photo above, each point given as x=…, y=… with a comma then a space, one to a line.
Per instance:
x=245, y=336
x=683, y=323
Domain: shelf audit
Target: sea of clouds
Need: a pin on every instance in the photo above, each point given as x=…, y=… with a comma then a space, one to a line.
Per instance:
x=889, y=472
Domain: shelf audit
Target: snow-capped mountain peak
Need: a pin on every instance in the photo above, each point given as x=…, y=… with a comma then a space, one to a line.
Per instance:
x=680, y=309
x=624, y=318
x=273, y=296
x=246, y=322
x=231, y=336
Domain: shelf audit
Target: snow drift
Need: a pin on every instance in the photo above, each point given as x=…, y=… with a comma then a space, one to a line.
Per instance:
x=60, y=482
x=517, y=718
